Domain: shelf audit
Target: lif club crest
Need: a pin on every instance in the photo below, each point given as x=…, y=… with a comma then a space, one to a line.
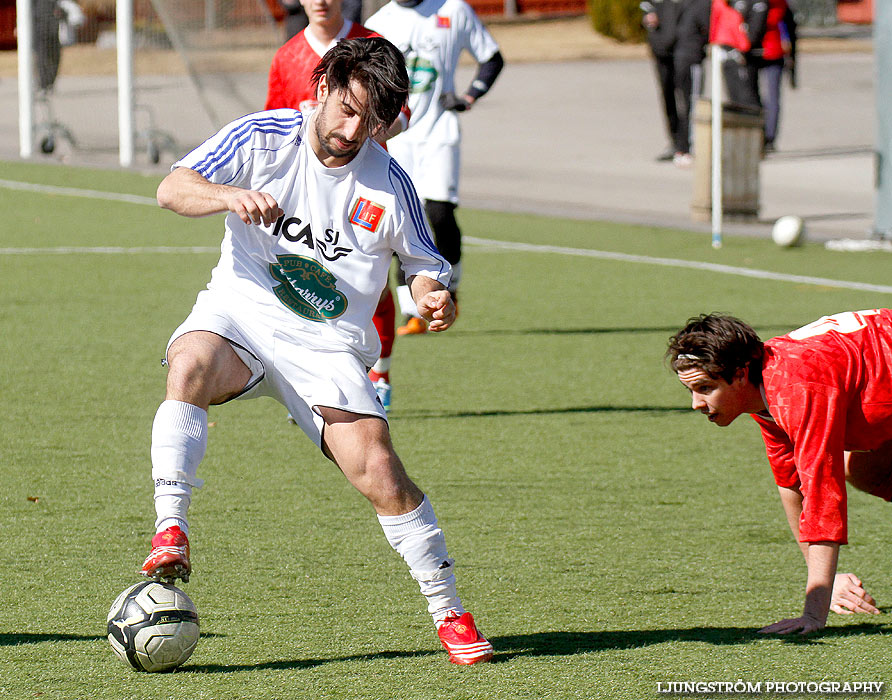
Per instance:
x=366, y=214
x=307, y=288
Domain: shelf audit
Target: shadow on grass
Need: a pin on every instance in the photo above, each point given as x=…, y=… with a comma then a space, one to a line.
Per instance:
x=572, y=643
x=562, y=331
x=566, y=644
x=11, y=639
x=561, y=410
x=669, y=330
x=292, y=664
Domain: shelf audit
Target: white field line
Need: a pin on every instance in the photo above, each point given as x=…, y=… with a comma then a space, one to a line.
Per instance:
x=504, y=245
x=690, y=264
x=110, y=250
x=76, y=192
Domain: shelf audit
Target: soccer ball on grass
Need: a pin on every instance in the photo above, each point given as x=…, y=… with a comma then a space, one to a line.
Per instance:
x=788, y=231
x=153, y=626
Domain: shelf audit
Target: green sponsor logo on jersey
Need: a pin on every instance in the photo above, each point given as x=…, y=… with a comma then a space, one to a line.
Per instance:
x=307, y=288
x=422, y=74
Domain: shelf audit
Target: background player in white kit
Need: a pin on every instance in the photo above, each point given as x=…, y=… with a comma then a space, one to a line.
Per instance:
x=315, y=210
x=432, y=35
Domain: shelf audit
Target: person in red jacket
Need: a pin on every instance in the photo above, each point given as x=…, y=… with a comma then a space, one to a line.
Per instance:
x=739, y=26
x=822, y=396
x=291, y=85
x=778, y=53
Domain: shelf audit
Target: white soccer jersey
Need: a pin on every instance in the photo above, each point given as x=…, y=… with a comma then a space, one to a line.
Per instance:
x=432, y=36
x=319, y=270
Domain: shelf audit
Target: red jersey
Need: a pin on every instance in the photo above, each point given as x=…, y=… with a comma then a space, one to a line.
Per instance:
x=828, y=387
x=290, y=76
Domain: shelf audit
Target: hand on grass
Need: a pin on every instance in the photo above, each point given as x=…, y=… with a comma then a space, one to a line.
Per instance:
x=849, y=596
x=803, y=625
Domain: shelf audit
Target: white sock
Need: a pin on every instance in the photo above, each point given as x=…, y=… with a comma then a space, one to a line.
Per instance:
x=407, y=303
x=179, y=441
x=382, y=366
x=456, y=277
x=421, y=544
x=171, y=510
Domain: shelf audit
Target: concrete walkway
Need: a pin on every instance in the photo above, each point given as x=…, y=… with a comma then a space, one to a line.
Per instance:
x=575, y=139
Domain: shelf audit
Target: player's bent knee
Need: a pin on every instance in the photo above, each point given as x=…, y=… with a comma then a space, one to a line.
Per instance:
x=384, y=482
x=869, y=471
x=203, y=369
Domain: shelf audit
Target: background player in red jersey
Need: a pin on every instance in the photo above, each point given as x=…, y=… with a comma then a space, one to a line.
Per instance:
x=291, y=85
x=822, y=396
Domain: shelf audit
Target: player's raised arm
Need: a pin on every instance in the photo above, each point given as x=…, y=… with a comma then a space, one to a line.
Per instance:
x=189, y=193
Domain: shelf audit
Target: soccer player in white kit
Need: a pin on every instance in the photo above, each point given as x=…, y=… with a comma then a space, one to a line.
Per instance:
x=432, y=35
x=290, y=85
x=315, y=211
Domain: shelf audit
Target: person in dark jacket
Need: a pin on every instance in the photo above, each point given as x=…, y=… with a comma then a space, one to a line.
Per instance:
x=661, y=21
x=690, y=50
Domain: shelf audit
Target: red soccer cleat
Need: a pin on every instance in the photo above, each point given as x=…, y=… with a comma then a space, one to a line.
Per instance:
x=461, y=639
x=169, y=558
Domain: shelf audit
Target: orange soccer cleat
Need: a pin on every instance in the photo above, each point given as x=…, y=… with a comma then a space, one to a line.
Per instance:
x=414, y=326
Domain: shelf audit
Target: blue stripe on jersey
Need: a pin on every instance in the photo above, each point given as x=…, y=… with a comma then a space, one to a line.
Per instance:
x=228, y=145
x=416, y=211
x=236, y=138
x=216, y=159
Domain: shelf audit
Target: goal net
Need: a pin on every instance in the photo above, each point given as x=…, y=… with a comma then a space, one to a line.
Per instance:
x=218, y=42
x=197, y=64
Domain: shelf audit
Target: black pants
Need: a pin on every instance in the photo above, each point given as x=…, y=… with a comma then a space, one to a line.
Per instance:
x=770, y=75
x=665, y=67
x=47, y=47
x=684, y=97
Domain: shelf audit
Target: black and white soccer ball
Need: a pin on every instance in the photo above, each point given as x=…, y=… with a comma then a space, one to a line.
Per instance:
x=153, y=626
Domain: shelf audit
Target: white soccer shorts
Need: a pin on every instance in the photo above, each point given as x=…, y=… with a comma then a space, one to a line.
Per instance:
x=286, y=366
x=433, y=167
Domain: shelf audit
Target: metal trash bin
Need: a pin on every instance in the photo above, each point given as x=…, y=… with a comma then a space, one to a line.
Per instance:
x=742, y=136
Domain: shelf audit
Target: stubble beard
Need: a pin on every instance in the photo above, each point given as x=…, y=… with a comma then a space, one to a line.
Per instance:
x=326, y=140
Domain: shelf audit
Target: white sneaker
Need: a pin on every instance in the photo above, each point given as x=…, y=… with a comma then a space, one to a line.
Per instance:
x=683, y=160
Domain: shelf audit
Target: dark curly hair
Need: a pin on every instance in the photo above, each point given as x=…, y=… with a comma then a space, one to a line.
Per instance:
x=718, y=344
x=378, y=66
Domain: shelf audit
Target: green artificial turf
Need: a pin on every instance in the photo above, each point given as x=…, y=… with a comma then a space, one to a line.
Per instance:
x=607, y=538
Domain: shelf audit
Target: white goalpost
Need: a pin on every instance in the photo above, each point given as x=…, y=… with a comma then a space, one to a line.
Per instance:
x=25, y=37
x=124, y=47
x=25, y=56
x=717, y=57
